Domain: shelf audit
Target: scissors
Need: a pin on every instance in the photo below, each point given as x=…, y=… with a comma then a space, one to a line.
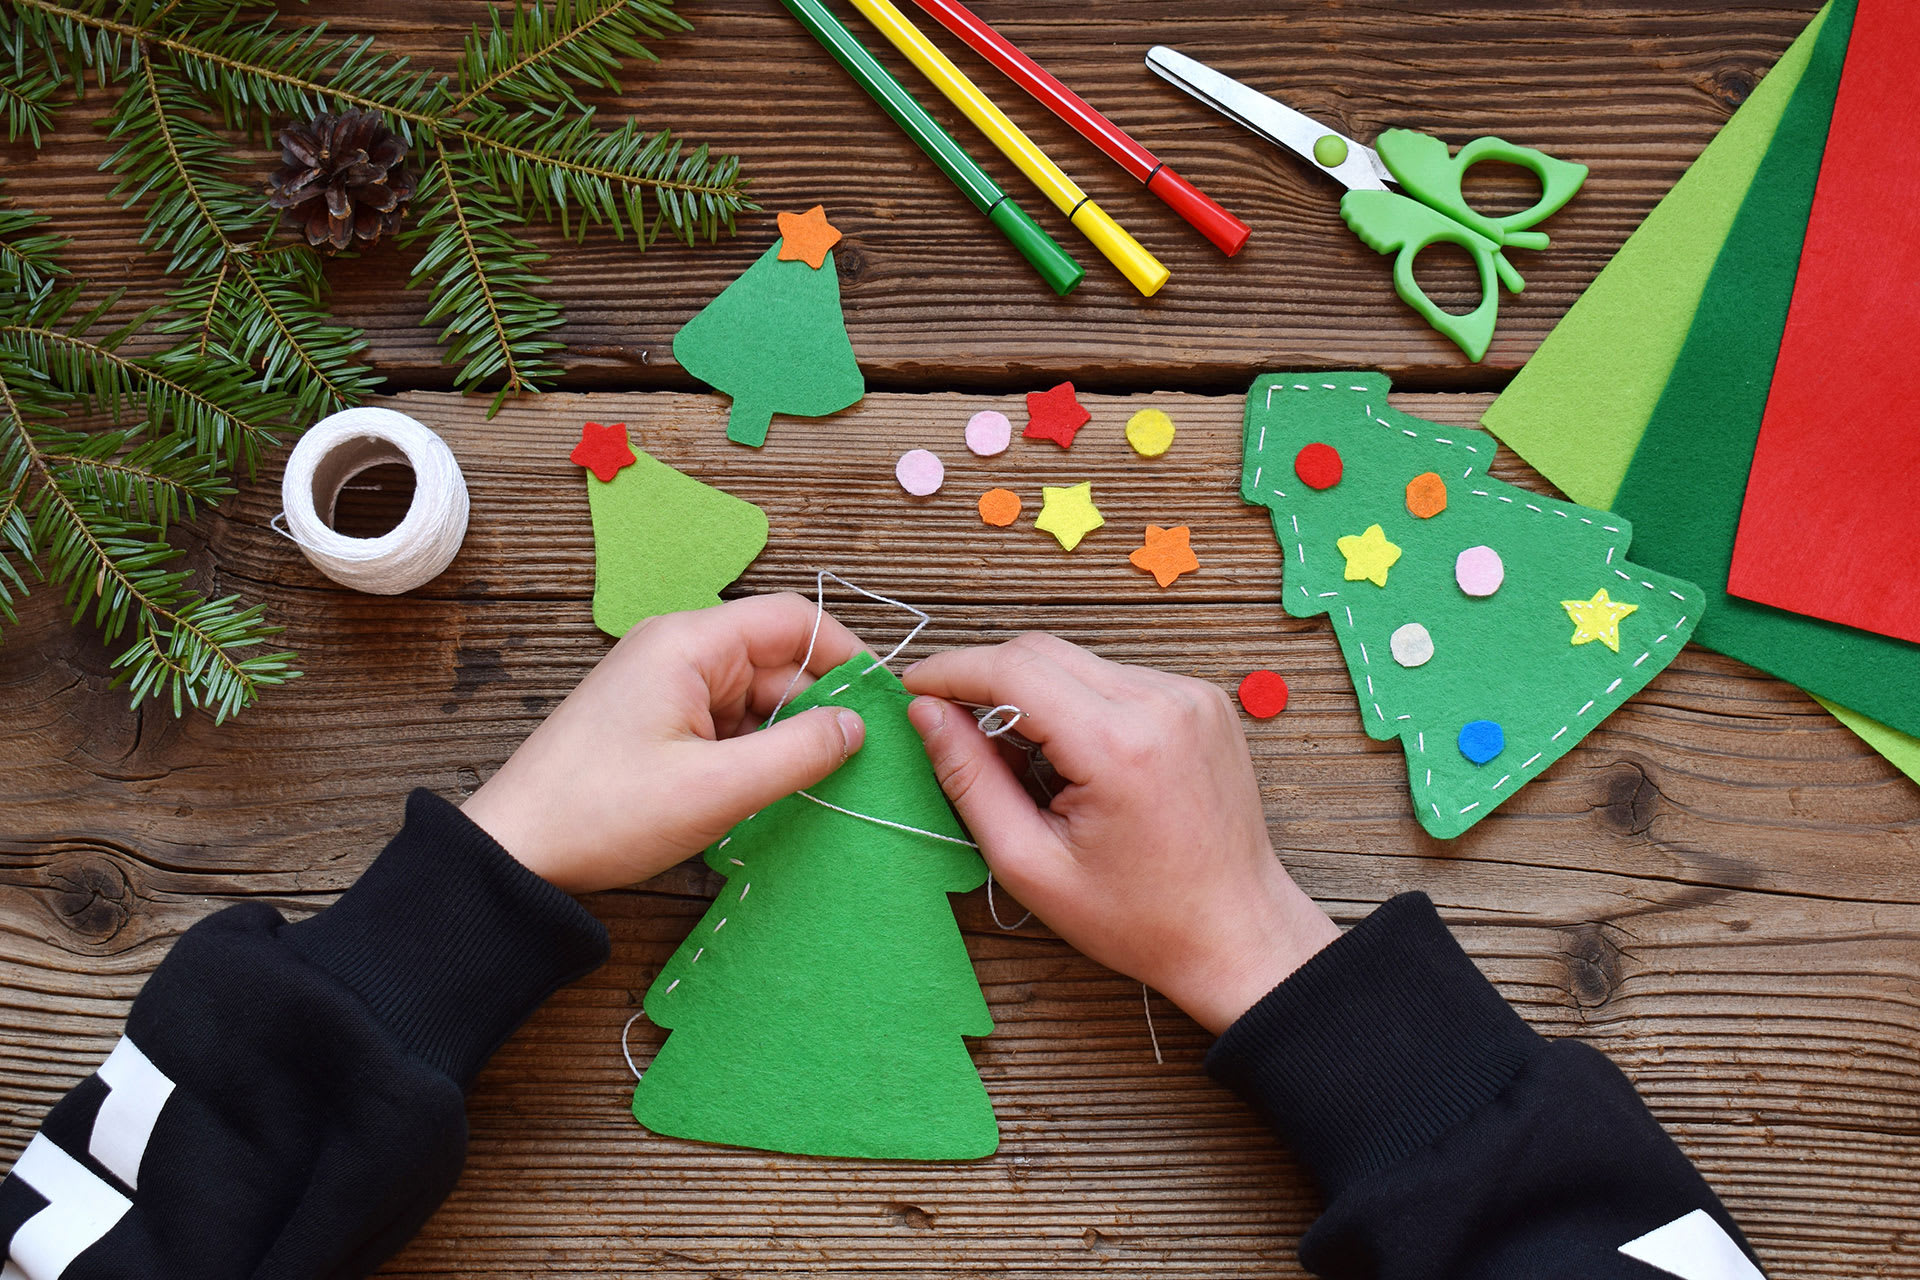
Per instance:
x=1433, y=211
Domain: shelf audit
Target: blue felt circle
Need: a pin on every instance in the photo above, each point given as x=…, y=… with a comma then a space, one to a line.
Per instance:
x=1482, y=740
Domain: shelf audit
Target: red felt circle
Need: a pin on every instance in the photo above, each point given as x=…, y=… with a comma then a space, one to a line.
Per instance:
x=1318, y=466
x=1263, y=694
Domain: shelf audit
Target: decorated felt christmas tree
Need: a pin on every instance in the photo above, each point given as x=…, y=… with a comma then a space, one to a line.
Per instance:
x=1487, y=627
x=819, y=1005
x=662, y=541
x=775, y=339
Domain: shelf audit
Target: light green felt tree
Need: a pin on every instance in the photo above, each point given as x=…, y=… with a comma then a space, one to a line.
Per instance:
x=818, y=1006
x=1487, y=627
x=662, y=541
x=774, y=340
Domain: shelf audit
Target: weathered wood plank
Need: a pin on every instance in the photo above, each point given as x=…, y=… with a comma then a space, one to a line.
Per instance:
x=1715, y=887
x=935, y=300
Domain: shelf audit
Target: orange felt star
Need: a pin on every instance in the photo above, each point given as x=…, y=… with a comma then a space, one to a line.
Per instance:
x=1055, y=415
x=603, y=450
x=1167, y=555
x=806, y=237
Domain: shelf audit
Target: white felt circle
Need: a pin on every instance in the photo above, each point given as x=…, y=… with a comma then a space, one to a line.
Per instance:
x=989, y=432
x=1412, y=645
x=1479, y=571
x=920, y=472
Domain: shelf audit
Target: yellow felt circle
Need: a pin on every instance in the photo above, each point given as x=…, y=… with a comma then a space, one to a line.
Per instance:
x=1150, y=432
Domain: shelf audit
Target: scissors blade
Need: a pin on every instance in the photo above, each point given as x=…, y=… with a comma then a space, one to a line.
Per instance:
x=1359, y=168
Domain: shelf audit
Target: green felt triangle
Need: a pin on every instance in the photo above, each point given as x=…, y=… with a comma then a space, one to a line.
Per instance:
x=1689, y=476
x=1508, y=657
x=774, y=340
x=1576, y=412
x=818, y=1007
x=664, y=542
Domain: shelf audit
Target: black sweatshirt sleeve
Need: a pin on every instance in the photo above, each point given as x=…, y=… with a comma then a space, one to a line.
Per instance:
x=1452, y=1141
x=288, y=1100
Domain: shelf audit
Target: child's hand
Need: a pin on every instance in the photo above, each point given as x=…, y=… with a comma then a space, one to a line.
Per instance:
x=655, y=755
x=1154, y=860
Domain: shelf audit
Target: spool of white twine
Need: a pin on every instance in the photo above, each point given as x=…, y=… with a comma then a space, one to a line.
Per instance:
x=350, y=442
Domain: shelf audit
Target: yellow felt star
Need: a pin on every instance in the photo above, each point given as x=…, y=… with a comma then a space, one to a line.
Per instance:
x=1369, y=556
x=1597, y=619
x=1068, y=513
x=807, y=236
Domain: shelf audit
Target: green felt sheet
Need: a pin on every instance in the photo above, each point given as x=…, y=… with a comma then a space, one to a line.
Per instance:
x=776, y=341
x=1508, y=657
x=1576, y=412
x=663, y=542
x=1685, y=486
x=818, y=1007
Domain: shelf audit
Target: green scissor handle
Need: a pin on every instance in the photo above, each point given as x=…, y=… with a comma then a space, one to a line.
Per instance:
x=1425, y=170
x=1391, y=223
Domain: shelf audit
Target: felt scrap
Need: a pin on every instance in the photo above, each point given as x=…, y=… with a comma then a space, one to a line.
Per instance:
x=1479, y=571
x=1055, y=415
x=664, y=542
x=1481, y=740
x=776, y=341
x=1264, y=694
x=823, y=1012
x=1598, y=619
x=920, y=472
x=1317, y=465
x=1412, y=645
x=999, y=507
x=1167, y=554
x=603, y=450
x=806, y=237
x=1829, y=526
x=1502, y=658
x=1685, y=487
x=989, y=433
x=1150, y=433
x=1426, y=495
x=1068, y=513
x=1369, y=556
x=1578, y=408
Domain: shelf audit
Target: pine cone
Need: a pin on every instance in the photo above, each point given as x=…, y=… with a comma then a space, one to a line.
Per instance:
x=346, y=174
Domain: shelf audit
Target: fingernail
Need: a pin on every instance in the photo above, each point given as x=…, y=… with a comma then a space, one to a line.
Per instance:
x=910, y=670
x=853, y=732
x=927, y=714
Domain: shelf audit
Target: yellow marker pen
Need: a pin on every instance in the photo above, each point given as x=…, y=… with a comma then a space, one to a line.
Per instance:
x=1140, y=267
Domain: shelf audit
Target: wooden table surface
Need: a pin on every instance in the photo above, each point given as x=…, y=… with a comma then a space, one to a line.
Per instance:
x=1719, y=887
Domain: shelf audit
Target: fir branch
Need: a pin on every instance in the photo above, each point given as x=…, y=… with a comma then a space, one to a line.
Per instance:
x=26, y=92
x=157, y=482
x=549, y=42
x=16, y=539
x=484, y=289
x=29, y=263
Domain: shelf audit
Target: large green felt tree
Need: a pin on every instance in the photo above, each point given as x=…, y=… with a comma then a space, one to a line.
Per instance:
x=774, y=340
x=1487, y=627
x=818, y=1006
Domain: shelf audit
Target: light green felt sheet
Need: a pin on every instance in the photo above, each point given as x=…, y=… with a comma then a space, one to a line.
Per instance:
x=1508, y=657
x=1902, y=750
x=1576, y=412
x=776, y=341
x=663, y=542
x=818, y=1007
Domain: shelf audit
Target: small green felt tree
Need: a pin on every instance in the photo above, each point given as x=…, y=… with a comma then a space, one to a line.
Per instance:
x=818, y=1006
x=776, y=342
x=1485, y=626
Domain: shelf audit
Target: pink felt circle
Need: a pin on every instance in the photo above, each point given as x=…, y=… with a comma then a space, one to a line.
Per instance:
x=1479, y=571
x=920, y=472
x=989, y=432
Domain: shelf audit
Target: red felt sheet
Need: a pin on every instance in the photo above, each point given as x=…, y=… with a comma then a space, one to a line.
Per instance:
x=1831, y=522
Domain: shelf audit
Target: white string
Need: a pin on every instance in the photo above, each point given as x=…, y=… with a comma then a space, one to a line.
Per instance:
x=345, y=445
x=624, y=1051
x=1000, y=726
x=882, y=822
x=995, y=913
x=820, y=612
x=1148, y=1006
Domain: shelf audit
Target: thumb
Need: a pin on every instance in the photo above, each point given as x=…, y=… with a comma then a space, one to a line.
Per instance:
x=990, y=800
x=769, y=764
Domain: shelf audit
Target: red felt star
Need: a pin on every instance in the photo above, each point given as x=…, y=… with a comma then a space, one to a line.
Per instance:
x=1055, y=415
x=807, y=236
x=603, y=450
